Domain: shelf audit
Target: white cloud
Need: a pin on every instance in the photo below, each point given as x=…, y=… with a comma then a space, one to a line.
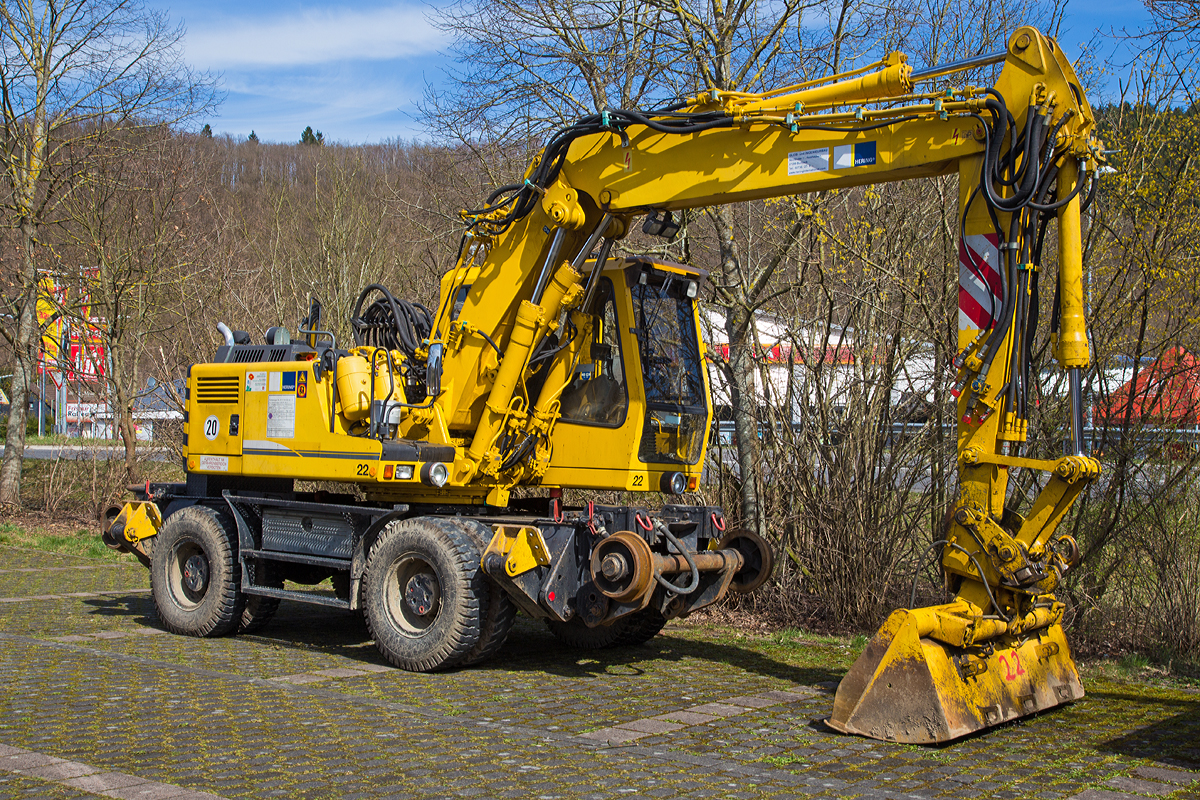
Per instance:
x=312, y=37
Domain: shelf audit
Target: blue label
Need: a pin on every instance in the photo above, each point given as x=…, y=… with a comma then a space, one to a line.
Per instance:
x=864, y=154
x=289, y=381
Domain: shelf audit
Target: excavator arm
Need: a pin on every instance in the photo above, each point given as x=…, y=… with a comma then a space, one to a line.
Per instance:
x=1025, y=153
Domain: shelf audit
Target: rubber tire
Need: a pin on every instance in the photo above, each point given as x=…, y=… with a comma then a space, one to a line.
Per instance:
x=641, y=627
x=574, y=634
x=501, y=611
x=217, y=610
x=260, y=610
x=637, y=628
x=437, y=546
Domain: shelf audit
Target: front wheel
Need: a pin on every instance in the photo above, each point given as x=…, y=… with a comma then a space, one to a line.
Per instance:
x=194, y=574
x=425, y=597
x=633, y=629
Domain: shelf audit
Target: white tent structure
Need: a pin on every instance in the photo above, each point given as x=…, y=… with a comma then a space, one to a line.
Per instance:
x=804, y=364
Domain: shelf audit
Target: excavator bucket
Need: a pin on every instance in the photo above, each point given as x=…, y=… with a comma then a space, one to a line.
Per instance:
x=914, y=689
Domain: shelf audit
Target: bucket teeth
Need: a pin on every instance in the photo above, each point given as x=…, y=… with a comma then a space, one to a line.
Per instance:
x=905, y=688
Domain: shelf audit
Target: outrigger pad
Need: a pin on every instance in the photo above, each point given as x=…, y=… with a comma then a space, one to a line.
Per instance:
x=904, y=688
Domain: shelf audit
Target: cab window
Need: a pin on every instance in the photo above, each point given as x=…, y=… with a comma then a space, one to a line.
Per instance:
x=596, y=394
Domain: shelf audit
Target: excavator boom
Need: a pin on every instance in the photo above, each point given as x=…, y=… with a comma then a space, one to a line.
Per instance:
x=1025, y=153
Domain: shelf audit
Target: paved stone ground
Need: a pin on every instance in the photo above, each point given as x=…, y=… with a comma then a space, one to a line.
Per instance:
x=96, y=701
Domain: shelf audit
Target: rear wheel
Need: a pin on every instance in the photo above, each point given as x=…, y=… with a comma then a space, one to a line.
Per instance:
x=501, y=611
x=194, y=574
x=260, y=610
x=425, y=597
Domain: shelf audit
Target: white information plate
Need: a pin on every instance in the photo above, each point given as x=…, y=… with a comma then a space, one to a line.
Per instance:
x=806, y=161
x=214, y=463
x=281, y=415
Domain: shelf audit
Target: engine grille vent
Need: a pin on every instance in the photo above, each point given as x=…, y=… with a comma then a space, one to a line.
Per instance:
x=248, y=356
x=218, y=389
x=255, y=355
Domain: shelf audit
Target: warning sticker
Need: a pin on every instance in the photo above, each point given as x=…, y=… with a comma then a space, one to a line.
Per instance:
x=256, y=381
x=275, y=382
x=807, y=161
x=281, y=415
x=214, y=463
x=301, y=384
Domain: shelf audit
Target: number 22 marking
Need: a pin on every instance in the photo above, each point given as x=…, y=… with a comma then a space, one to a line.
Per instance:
x=1012, y=671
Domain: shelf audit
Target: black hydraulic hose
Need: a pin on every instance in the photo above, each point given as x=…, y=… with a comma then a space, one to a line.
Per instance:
x=390, y=323
x=1031, y=168
x=1016, y=387
x=992, y=172
x=495, y=347
x=491, y=198
x=857, y=129
x=655, y=125
x=1057, y=204
x=520, y=452
x=691, y=562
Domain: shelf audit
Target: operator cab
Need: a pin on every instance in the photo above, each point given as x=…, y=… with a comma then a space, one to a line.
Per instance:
x=637, y=406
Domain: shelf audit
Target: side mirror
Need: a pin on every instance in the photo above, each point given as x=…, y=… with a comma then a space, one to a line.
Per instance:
x=433, y=370
x=661, y=224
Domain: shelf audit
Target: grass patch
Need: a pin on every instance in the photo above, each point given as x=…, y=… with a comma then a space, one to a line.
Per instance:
x=1134, y=663
x=1142, y=671
x=81, y=542
x=58, y=438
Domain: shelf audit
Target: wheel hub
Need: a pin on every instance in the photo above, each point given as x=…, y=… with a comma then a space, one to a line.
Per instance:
x=195, y=573
x=421, y=593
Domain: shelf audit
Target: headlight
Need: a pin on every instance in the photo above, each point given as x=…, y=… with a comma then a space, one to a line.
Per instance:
x=673, y=483
x=435, y=473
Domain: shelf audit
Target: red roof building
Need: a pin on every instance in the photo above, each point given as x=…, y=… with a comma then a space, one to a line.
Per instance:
x=1166, y=393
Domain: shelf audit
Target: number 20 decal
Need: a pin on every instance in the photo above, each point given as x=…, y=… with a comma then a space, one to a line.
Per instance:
x=1014, y=670
x=212, y=427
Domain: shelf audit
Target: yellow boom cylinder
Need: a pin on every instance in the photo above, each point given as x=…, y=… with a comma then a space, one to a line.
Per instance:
x=1072, y=338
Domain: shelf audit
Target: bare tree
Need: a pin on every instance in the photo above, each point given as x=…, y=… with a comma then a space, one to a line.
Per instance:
x=1176, y=22
x=127, y=232
x=70, y=72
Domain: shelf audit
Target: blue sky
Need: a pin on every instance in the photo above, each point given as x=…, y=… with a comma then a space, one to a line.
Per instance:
x=355, y=70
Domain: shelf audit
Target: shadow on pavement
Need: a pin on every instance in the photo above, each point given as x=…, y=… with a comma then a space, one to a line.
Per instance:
x=530, y=647
x=1174, y=741
x=138, y=607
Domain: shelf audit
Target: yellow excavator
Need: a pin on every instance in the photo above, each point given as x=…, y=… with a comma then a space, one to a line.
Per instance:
x=549, y=363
